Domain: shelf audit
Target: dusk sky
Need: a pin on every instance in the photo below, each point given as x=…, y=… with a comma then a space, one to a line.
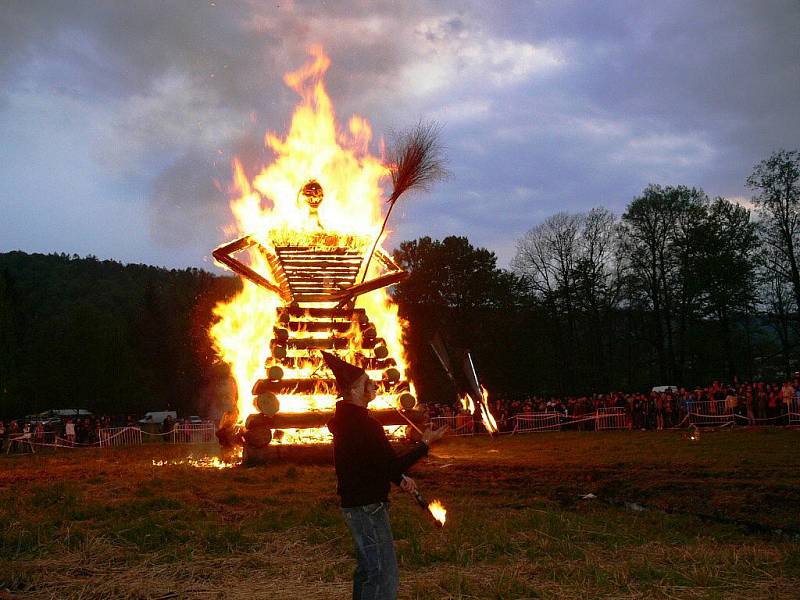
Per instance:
x=117, y=118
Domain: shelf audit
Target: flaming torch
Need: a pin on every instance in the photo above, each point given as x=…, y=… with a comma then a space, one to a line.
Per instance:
x=435, y=508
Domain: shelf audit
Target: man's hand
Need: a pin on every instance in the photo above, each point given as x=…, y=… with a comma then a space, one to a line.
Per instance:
x=408, y=485
x=430, y=435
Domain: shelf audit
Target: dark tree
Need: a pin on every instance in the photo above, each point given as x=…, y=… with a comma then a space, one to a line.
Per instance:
x=724, y=262
x=660, y=235
x=9, y=342
x=570, y=265
x=456, y=290
x=113, y=338
x=777, y=181
x=452, y=273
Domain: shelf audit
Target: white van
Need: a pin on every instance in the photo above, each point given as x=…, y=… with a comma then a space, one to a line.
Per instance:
x=663, y=389
x=157, y=417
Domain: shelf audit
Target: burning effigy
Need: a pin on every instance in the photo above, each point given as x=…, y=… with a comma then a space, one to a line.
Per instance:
x=308, y=247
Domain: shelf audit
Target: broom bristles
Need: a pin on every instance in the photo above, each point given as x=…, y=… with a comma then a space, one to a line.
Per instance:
x=416, y=159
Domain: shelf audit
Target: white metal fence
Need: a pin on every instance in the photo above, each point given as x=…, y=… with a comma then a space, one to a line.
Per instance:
x=601, y=419
x=719, y=412
x=546, y=421
x=611, y=418
x=193, y=433
x=119, y=436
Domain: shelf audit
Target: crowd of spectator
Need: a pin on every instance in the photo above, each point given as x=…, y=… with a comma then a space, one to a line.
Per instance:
x=755, y=403
x=78, y=430
x=751, y=403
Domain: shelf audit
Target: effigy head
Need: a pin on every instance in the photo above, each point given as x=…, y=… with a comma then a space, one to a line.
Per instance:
x=312, y=191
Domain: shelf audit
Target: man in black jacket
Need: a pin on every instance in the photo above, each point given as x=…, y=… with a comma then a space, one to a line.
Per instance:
x=366, y=465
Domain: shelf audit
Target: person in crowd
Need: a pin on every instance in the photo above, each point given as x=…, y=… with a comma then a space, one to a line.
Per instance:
x=659, y=401
x=167, y=425
x=39, y=432
x=731, y=401
x=794, y=406
x=787, y=395
x=748, y=403
x=761, y=400
x=69, y=432
x=772, y=402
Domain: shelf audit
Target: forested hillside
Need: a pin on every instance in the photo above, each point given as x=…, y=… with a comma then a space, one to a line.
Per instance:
x=113, y=338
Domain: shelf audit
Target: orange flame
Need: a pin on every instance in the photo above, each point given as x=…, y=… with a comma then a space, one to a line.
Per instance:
x=203, y=462
x=486, y=415
x=438, y=511
x=268, y=209
x=487, y=418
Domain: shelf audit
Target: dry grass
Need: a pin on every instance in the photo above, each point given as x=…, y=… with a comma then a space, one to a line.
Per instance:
x=107, y=524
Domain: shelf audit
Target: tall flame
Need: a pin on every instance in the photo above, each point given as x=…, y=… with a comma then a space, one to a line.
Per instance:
x=268, y=210
x=487, y=417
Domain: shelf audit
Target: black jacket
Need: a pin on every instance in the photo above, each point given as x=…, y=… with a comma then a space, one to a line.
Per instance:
x=365, y=461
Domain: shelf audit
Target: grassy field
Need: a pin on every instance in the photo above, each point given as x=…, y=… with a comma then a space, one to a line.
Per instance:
x=715, y=518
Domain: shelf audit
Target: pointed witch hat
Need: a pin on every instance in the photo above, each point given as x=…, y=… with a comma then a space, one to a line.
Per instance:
x=345, y=373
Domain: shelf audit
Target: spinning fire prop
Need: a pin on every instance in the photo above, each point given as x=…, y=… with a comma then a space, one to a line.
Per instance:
x=306, y=242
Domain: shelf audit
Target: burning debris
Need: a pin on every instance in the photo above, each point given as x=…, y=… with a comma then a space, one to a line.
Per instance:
x=307, y=242
x=203, y=462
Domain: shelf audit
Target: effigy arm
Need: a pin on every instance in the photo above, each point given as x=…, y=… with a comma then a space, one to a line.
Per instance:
x=224, y=254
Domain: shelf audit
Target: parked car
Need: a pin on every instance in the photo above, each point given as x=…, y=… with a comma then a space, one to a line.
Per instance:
x=157, y=417
x=195, y=420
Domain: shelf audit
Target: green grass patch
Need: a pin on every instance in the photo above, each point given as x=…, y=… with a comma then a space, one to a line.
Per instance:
x=100, y=524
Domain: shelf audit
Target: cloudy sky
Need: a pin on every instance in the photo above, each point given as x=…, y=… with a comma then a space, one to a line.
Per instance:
x=119, y=119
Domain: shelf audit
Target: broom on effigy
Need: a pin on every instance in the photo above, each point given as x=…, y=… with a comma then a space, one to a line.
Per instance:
x=415, y=162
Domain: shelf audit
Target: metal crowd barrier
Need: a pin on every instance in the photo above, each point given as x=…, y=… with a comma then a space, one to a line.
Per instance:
x=120, y=436
x=602, y=419
x=193, y=433
x=710, y=412
x=718, y=412
x=611, y=418
x=546, y=421
x=794, y=412
x=457, y=424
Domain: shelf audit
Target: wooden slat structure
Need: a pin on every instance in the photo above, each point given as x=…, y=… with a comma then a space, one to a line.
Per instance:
x=311, y=273
x=308, y=386
x=317, y=283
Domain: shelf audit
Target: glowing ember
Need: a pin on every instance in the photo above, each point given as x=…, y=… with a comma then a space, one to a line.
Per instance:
x=203, y=462
x=438, y=511
x=320, y=197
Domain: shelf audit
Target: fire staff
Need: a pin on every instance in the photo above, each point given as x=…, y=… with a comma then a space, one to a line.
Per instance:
x=366, y=465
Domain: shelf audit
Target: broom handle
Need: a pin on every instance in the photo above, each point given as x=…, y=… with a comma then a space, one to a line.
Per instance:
x=410, y=422
x=392, y=201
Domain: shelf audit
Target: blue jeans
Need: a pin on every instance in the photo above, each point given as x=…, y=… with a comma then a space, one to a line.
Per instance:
x=376, y=575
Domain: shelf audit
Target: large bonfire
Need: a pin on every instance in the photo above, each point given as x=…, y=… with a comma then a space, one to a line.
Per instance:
x=281, y=210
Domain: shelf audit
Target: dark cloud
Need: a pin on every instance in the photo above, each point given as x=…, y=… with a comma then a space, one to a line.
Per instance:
x=546, y=105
